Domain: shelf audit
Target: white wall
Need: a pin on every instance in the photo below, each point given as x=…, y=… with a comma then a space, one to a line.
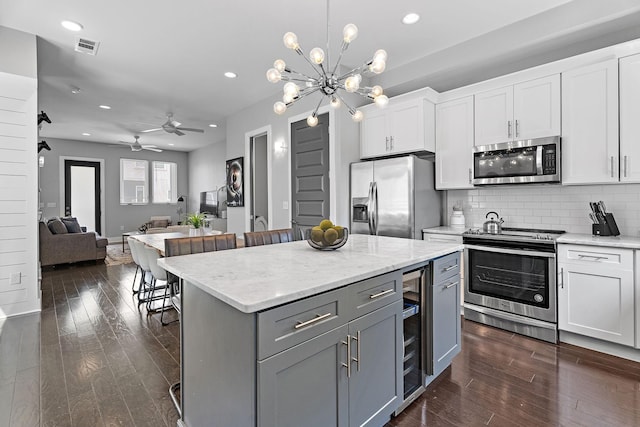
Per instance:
x=129, y=217
x=550, y=206
x=206, y=172
x=18, y=174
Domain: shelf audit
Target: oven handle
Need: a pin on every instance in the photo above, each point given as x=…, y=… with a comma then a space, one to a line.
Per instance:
x=510, y=251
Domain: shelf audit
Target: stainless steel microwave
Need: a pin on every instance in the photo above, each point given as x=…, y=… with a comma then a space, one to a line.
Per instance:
x=518, y=162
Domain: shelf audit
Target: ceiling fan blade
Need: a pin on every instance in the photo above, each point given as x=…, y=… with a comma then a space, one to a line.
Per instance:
x=177, y=132
x=150, y=130
x=193, y=130
x=157, y=150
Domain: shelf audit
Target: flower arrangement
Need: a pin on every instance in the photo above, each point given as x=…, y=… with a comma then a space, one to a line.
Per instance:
x=195, y=219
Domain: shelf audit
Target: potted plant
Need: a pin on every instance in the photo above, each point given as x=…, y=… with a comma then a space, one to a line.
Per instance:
x=196, y=220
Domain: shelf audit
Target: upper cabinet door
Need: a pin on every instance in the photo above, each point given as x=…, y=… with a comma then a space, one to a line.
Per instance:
x=374, y=138
x=536, y=110
x=629, y=119
x=454, y=144
x=408, y=127
x=494, y=116
x=590, y=124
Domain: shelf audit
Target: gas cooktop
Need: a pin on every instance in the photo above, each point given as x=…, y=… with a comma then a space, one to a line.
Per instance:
x=509, y=233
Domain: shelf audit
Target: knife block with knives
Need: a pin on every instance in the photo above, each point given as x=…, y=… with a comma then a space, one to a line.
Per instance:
x=603, y=222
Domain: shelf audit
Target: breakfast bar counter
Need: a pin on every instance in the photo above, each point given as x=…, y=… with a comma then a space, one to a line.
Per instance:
x=287, y=335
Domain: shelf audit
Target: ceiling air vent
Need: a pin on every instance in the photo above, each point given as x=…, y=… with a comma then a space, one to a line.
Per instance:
x=87, y=46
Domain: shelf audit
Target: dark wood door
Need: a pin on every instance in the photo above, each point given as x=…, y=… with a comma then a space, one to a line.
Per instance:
x=82, y=193
x=309, y=174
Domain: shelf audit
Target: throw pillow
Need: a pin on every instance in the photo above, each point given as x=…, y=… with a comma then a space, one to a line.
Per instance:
x=71, y=223
x=57, y=226
x=163, y=223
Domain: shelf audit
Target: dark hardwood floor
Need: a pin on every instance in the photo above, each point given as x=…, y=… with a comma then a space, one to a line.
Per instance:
x=103, y=362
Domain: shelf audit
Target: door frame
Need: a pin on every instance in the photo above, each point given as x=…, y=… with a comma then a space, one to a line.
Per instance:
x=103, y=207
x=247, y=175
x=332, y=156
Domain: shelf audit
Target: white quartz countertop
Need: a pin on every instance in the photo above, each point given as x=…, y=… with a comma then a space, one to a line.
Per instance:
x=260, y=277
x=446, y=229
x=628, y=242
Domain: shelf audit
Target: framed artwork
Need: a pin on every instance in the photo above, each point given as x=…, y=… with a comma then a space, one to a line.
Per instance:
x=235, y=183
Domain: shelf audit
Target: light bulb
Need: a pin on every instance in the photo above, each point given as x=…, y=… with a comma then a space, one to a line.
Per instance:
x=279, y=65
x=335, y=102
x=287, y=98
x=358, y=78
x=380, y=55
x=279, y=107
x=273, y=75
x=351, y=84
x=377, y=67
x=290, y=88
x=312, y=120
x=349, y=33
x=381, y=101
x=317, y=55
x=290, y=40
x=357, y=116
x=376, y=91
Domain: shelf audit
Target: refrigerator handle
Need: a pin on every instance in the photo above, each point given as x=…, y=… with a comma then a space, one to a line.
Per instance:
x=370, y=207
x=375, y=208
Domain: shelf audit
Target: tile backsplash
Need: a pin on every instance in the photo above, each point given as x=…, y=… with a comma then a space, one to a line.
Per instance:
x=550, y=206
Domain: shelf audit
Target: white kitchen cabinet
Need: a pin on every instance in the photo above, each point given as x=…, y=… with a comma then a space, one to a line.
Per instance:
x=404, y=126
x=629, y=123
x=590, y=124
x=454, y=144
x=596, y=292
x=523, y=111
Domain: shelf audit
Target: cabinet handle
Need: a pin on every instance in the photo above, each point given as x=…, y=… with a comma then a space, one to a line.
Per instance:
x=517, y=129
x=348, y=364
x=386, y=143
x=391, y=141
x=593, y=257
x=357, y=358
x=379, y=294
x=509, y=128
x=450, y=285
x=469, y=175
x=562, y=278
x=451, y=267
x=625, y=166
x=309, y=322
x=611, y=166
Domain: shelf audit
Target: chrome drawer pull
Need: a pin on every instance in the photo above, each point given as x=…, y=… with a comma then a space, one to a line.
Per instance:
x=450, y=285
x=451, y=267
x=357, y=358
x=318, y=318
x=379, y=294
x=348, y=364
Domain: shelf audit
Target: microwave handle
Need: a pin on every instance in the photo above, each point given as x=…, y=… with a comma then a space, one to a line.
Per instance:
x=539, y=152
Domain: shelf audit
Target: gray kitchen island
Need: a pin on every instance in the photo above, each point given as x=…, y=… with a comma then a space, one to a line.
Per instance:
x=286, y=335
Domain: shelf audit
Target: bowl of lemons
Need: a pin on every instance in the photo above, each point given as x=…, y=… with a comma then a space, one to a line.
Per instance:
x=326, y=236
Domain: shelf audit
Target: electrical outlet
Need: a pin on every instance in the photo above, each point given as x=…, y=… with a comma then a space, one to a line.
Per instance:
x=15, y=278
x=122, y=228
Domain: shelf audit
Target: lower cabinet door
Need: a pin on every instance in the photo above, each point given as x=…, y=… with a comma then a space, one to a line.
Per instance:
x=597, y=302
x=446, y=322
x=375, y=385
x=305, y=385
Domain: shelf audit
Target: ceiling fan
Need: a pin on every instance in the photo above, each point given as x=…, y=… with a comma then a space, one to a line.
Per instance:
x=173, y=126
x=136, y=146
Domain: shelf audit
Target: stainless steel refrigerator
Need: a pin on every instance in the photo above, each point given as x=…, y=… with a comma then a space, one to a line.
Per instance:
x=394, y=197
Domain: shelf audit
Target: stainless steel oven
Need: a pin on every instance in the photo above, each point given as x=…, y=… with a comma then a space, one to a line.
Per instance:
x=511, y=281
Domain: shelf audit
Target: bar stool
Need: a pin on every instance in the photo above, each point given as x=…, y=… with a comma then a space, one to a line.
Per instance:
x=269, y=237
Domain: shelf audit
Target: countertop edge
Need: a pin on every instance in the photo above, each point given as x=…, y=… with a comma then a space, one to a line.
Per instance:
x=626, y=242
x=305, y=293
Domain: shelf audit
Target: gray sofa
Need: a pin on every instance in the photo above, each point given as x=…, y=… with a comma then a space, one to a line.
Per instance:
x=70, y=247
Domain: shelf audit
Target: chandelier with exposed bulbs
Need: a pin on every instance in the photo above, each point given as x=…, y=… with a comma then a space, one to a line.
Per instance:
x=325, y=81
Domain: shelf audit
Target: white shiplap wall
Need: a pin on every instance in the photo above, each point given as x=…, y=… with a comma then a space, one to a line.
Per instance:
x=18, y=195
x=550, y=206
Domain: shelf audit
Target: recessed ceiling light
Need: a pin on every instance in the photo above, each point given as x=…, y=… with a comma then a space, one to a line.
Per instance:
x=410, y=18
x=230, y=75
x=72, y=26
x=105, y=107
x=213, y=125
x=86, y=134
x=172, y=144
x=75, y=90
